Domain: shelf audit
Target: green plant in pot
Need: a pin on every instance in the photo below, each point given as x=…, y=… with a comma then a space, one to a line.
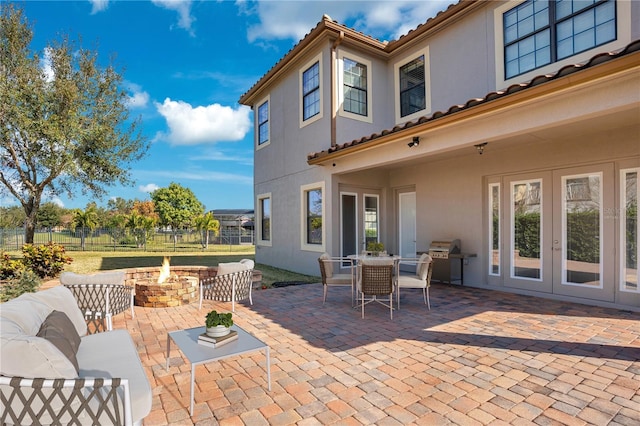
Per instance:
x=218, y=323
x=375, y=248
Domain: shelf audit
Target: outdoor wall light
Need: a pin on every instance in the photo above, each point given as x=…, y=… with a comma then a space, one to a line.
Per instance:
x=414, y=142
x=480, y=147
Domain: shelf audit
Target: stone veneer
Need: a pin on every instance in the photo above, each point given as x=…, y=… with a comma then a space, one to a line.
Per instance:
x=182, y=290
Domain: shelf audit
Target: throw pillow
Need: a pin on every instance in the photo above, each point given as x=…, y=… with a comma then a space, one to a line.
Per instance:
x=60, y=331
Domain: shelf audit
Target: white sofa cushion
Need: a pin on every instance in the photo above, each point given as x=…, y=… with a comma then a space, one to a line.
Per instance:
x=60, y=298
x=231, y=267
x=113, y=354
x=111, y=277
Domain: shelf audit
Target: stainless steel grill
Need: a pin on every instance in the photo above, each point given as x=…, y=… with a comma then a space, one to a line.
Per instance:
x=442, y=249
x=442, y=252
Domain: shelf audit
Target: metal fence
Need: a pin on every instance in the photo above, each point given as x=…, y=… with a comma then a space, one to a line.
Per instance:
x=116, y=239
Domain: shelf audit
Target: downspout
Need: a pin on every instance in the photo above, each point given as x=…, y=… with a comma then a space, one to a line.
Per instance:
x=334, y=89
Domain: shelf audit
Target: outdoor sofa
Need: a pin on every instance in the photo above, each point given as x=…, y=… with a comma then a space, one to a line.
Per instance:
x=52, y=372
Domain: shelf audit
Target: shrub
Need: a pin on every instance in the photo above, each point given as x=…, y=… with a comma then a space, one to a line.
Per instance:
x=25, y=281
x=46, y=260
x=10, y=268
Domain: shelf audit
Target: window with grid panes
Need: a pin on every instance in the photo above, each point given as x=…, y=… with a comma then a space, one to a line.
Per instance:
x=355, y=87
x=412, y=87
x=311, y=91
x=263, y=123
x=537, y=32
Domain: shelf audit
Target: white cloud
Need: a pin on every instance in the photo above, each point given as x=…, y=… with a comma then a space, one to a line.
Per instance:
x=138, y=98
x=245, y=160
x=148, y=188
x=45, y=64
x=380, y=19
x=206, y=175
x=98, y=6
x=183, y=7
x=57, y=201
x=203, y=124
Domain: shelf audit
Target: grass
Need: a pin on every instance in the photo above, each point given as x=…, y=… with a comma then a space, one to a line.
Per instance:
x=89, y=262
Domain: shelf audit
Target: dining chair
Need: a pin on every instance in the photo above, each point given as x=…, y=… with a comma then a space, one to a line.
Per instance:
x=421, y=279
x=375, y=279
x=328, y=265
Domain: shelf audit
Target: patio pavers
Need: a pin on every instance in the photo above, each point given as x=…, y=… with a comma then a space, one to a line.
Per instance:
x=477, y=358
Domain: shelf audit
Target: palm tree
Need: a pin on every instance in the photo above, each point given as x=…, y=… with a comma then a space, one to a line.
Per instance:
x=205, y=224
x=140, y=227
x=84, y=220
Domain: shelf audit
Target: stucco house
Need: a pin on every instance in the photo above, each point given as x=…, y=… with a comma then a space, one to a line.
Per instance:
x=513, y=126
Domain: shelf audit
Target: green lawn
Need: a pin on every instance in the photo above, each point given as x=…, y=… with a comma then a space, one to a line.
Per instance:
x=88, y=262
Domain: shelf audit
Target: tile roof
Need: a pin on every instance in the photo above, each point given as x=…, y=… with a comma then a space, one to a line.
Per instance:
x=562, y=72
x=329, y=25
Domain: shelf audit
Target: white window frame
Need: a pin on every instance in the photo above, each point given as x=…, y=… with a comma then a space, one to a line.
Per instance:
x=491, y=229
x=622, y=221
x=320, y=248
x=340, y=89
x=257, y=123
x=258, y=222
x=304, y=68
x=427, y=85
x=623, y=18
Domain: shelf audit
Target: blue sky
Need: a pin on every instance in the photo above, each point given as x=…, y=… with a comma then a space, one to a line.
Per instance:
x=186, y=63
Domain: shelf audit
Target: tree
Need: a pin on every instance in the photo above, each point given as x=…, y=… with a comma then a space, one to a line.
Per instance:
x=140, y=227
x=62, y=130
x=205, y=224
x=84, y=220
x=49, y=215
x=119, y=205
x=116, y=227
x=11, y=217
x=177, y=207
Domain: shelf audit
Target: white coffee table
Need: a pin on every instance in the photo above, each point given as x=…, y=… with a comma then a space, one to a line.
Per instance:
x=187, y=341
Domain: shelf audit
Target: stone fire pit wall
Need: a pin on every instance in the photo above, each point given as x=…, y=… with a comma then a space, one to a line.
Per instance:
x=182, y=292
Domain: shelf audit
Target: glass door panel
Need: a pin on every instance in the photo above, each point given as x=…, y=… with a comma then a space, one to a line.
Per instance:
x=582, y=230
x=348, y=224
x=526, y=241
x=371, y=220
x=583, y=242
x=527, y=232
x=629, y=227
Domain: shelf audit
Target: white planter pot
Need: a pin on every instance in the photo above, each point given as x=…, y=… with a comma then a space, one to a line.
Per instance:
x=218, y=331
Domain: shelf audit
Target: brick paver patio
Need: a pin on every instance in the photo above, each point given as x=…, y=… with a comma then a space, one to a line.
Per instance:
x=477, y=358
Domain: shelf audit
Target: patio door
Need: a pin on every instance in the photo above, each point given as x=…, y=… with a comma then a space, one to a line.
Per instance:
x=583, y=236
x=528, y=265
x=407, y=227
x=558, y=239
x=348, y=224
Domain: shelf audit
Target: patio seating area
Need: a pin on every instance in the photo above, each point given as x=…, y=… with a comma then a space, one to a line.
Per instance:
x=477, y=357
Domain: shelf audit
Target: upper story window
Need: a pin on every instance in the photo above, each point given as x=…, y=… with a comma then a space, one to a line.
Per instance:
x=263, y=123
x=310, y=79
x=412, y=87
x=355, y=87
x=311, y=91
x=354, y=93
x=537, y=32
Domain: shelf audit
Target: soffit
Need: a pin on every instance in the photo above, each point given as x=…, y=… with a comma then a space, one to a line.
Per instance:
x=540, y=86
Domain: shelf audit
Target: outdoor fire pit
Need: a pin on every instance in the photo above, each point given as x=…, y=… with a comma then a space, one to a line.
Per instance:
x=166, y=290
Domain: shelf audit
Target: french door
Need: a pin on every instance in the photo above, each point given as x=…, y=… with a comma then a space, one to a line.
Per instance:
x=359, y=221
x=558, y=238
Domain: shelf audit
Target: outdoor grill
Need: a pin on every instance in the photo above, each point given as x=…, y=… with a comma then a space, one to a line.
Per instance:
x=442, y=252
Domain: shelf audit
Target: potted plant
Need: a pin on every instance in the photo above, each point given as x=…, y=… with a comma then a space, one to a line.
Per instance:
x=218, y=323
x=375, y=248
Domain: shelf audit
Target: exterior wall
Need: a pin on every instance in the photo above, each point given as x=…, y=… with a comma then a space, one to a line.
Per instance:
x=577, y=124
